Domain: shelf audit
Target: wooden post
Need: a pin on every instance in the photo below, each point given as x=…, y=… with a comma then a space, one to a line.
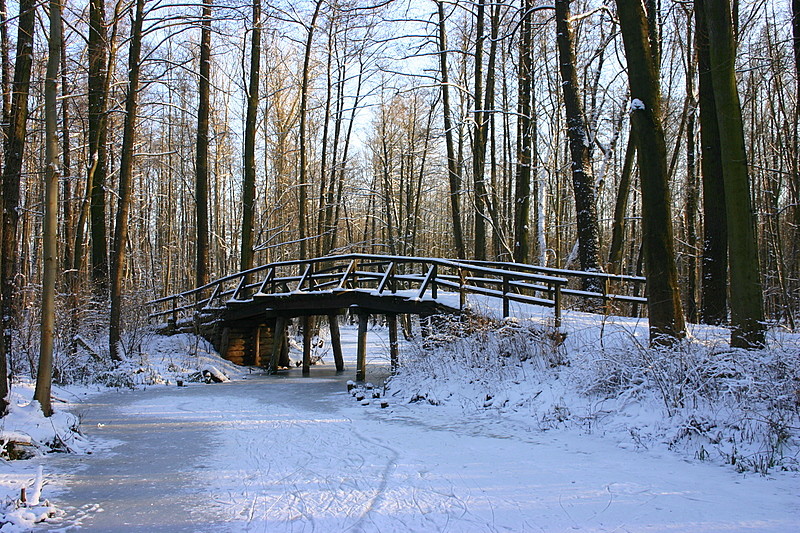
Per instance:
x=506, y=289
x=393, y=346
x=462, y=293
x=224, y=342
x=256, y=359
x=336, y=342
x=277, y=345
x=306, y=345
x=361, y=358
x=434, y=285
x=557, y=303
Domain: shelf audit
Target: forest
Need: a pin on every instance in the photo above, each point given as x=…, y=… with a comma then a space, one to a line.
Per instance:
x=150, y=146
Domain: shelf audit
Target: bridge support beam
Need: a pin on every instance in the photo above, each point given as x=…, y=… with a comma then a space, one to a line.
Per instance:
x=277, y=344
x=306, y=324
x=361, y=357
x=336, y=342
x=393, y=346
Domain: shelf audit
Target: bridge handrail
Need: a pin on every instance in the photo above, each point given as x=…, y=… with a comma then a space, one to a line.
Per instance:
x=350, y=270
x=333, y=258
x=559, y=271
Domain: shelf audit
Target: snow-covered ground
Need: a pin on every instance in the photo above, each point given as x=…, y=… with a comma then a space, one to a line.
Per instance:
x=589, y=434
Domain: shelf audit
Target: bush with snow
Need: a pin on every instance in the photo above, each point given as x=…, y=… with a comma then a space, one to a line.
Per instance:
x=701, y=398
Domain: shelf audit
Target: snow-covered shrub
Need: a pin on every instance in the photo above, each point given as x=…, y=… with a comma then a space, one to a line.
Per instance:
x=700, y=397
x=473, y=363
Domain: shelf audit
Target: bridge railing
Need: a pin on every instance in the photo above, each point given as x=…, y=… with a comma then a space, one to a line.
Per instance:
x=616, y=293
x=415, y=277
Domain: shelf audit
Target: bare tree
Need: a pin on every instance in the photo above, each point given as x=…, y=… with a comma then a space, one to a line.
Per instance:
x=201, y=148
x=251, y=125
x=664, y=303
x=125, y=181
x=50, y=262
x=579, y=143
x=98, y=134
x=453, y=167
x=13, y=150
x=526, y=134
x=714, y=278
x=304, y=89
x=480, y=137
x=747, y=313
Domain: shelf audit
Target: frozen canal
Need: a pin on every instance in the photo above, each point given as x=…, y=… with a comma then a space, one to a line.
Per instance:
x=299, y=454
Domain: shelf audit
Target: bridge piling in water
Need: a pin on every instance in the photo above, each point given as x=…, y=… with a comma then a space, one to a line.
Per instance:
x=393, y=346
x=361, y=353
x=277, y=343
x=336, y=342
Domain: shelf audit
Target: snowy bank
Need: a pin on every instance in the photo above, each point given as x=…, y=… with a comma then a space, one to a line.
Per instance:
x=27, y=436
x=701, y=399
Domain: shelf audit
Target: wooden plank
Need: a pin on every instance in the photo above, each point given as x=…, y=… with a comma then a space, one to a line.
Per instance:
x=429, y=277
x=309, y=271
x=256, y=355
x=267, y=279
x=506, y=306
x=350, y=268
x=387, y=276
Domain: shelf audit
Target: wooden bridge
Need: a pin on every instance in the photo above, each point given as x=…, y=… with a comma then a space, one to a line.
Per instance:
x=245, y=315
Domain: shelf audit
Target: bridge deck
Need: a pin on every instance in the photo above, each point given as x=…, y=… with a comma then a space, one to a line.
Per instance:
x=269, y=295
x=301, y=303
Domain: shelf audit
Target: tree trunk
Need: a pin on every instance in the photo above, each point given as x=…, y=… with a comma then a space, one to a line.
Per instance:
x=579, y=144
x=796, y=42
x=747, y=312
x=13, y=150
x=479, y=140
x=201, y=151
x=251, y=125
x=714, y=266
x=50, y=263
x=453, y=172
x=5, y=67
x=525, y=125
x=332, y=213
x=68, y=254
x=691, y=182
x=621, y=208
x=664, y=303
x=125, y=178
x=303, y=185
x=691, y=210
x=796, y=131
x=98, y=132
x=491, y=201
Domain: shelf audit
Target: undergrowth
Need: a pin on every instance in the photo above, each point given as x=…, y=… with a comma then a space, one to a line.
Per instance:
x=700, y=398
